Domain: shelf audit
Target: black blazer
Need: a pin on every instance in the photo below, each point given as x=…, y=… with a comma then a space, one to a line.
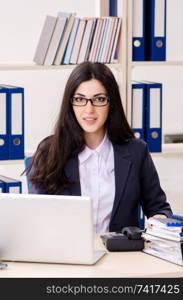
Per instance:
x=136, y=181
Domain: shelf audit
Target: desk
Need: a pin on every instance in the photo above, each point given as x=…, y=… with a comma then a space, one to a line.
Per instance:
x=113, y=264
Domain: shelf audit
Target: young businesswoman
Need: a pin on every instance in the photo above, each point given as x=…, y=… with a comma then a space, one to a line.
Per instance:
x=93, y=152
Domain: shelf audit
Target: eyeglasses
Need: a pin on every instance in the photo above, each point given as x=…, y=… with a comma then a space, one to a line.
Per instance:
x=95, y=101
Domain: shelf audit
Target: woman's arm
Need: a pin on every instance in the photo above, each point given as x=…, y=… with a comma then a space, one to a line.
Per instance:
x=153, y=200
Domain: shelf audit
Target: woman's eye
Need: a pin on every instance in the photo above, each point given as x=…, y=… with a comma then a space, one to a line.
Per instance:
x=100, y=99
x=79, y=99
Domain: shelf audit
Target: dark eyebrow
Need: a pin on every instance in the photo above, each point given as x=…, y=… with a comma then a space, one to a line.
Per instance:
x=80, y=94
x=93, y=95
x=99, y=94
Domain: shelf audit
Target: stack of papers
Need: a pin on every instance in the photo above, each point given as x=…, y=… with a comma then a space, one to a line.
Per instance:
x=164, y=239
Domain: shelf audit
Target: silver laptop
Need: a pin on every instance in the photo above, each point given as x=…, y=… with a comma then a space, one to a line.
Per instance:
x=46, y=228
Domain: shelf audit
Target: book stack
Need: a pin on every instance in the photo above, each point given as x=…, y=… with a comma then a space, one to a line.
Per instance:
x=164, y=239
x=67, y=39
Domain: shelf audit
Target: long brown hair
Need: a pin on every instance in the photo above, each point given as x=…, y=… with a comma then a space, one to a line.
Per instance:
x=46, y=171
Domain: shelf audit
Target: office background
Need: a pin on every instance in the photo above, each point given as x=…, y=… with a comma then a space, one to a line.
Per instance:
x=21, y=24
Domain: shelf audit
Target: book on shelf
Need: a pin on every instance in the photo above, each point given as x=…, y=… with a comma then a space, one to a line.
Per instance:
x=63, y=43
x=78, y=41
x=116, y=42
x=107, y=40
x=100, y=40
x=96, y=35
x=44, y=39
x=103, y=40
x=55, y=40
x=111, y=40
x=66, y=39
x=164, y=239
x=87, y=39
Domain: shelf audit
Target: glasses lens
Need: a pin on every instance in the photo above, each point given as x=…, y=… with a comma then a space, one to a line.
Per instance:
x=100, y=101
x=79, y=101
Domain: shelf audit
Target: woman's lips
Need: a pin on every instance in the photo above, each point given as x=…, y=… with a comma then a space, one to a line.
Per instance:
x=90, y=120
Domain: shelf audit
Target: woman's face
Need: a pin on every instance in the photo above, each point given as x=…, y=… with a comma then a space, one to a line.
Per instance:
x=91, y=118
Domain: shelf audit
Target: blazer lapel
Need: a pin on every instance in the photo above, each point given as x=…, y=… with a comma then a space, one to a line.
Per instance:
x=122, y=166
x=72, y=172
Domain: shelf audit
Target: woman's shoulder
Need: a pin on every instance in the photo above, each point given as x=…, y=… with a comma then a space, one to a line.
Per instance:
x=136, y=143
x=137, y=150
x=134, y=147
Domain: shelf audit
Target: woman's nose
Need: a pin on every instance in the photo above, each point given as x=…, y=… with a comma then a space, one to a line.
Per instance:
x=89, y=107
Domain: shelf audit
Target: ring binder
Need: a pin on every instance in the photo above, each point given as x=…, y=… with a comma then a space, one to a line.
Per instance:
x=10, y=185
x=156, y=30
x=15, y=116
x=138, y=109
x=138, y=30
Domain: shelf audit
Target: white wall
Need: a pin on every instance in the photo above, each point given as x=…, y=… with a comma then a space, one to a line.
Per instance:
x=170, y=76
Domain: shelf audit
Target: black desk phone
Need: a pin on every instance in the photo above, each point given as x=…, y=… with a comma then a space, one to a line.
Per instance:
x=129, y=239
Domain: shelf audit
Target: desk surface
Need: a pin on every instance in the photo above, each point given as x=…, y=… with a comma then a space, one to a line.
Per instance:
x=113, y=264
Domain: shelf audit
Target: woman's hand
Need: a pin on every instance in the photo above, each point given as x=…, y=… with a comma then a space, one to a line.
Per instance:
x=155, y=217
x=158, y=216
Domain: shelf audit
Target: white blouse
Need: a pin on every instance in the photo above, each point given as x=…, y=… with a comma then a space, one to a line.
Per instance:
x=96, y=169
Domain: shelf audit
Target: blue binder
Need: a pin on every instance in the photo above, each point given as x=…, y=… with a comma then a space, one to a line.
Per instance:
x=138, y=109
x=4, y=124
x=153, y=120
x=156, y=30
x=141, y=217
x=15, y=100
x=113, y=8
x=2, y=187
x=11, y=185
x=113, y=12
x=138, y=30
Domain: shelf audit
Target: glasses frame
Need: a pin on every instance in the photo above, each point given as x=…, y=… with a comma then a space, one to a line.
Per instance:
x=91, y=101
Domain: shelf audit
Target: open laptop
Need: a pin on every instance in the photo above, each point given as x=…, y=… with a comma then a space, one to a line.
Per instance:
x=47, y=228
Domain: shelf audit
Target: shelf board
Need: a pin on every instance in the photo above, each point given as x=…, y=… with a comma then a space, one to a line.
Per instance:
x=156, y=63
x=9, y=66
x=172, y=149
x=18, y=66
x=12, y=162
x=16, y=161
